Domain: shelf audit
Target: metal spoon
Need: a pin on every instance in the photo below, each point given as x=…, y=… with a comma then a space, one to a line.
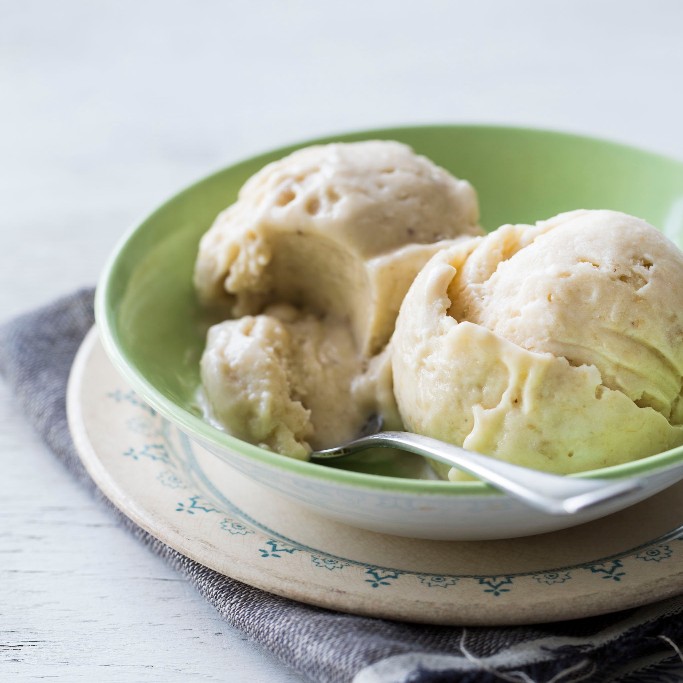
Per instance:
x=550, y=493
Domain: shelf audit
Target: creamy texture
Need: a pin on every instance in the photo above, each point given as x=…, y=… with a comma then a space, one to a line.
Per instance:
x=263, y=374
x=557, y=346
x=289, y=381
x=313, y=260
x=323, y=229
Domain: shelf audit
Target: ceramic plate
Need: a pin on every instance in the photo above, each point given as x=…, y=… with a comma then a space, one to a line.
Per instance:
x=197, y=504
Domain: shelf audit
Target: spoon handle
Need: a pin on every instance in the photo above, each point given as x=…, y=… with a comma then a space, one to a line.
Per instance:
x=550, y=493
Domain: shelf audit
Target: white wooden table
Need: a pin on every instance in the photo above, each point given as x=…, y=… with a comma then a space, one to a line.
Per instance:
x=107, y=108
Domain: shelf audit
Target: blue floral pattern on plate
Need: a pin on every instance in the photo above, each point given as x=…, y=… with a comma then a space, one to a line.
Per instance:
x=155, y=442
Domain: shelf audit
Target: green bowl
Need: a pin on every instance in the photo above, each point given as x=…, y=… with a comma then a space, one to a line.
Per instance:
x=154, y=330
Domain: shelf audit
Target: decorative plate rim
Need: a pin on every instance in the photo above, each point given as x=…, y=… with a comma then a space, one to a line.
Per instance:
x=419, y=606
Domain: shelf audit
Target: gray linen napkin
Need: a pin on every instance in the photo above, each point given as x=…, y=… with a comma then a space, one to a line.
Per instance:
x=36, y=352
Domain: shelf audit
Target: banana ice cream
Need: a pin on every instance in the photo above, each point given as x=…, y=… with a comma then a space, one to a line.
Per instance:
x=557, y=346
x=313, y=261
x=339, y=229
x=261, y=371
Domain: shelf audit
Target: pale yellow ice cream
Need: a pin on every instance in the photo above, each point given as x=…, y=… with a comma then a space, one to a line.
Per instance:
x=341, y=229
x=557, y=346
x=329, y=239
x=261, y=372
x=291, y=382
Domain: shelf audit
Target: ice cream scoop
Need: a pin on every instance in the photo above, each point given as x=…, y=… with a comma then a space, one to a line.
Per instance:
x=339, y=229
x=290, y=382
x=557, y=346
x=313, y=261
x=261, y=375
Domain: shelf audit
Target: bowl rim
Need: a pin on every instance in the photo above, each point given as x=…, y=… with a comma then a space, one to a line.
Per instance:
x=197, y=428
